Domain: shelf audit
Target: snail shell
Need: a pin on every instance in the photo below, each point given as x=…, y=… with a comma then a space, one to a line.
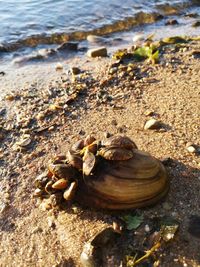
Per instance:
x=133, y=183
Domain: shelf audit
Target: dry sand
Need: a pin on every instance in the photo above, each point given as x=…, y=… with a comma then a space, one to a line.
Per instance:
x=117, y=103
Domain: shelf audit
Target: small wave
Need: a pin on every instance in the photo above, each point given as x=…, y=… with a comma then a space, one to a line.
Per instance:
x=59, y=38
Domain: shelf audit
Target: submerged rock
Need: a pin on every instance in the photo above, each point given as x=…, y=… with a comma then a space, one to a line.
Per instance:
x=171, y=22
x=68, y=46
x=95, y=39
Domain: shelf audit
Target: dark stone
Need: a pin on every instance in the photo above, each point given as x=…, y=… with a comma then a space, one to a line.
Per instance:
x=171, y=22
x=2, y=73
x=196, y=54
x=196, y=24
x=73, y=46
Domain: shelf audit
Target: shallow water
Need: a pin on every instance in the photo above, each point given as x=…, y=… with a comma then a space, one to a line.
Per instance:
x=48, y=19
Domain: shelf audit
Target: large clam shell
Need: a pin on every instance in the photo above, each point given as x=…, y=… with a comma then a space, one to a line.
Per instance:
x=137, y=182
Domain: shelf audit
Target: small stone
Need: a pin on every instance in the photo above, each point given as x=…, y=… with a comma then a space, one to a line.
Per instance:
x=191, y=149
x=97, y=52
x=59, y=66
x=196, y=54
x=38, y=192
x=113, y=70
x=10, y=97
x=75, y=70
x=95, y=39
x=152, y=124
x=172, y=22
x=196, y=24
x=138, y=38
x=68, y=46
x=147, y=228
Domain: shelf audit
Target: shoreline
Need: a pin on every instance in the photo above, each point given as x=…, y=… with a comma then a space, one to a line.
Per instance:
x=104, y=98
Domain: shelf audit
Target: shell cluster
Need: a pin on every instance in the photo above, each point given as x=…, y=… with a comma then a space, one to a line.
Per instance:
x=109, y=174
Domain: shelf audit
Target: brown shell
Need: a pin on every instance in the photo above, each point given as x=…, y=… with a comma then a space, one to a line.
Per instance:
x=65, y=171
x=137, y=182
x=89, y=162
x=89, y=140
x=119, y=141
x=75, y=160
x=115, y=153
x=76, y=147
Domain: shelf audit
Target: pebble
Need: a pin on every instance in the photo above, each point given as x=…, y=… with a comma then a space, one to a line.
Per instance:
x=75, y=70
x=95, y=39
x=37, y=193
x=196, y=54
x=191, y=149
x=97, y=52
x=138, y=38
x=196, y=24
x=9, y=97
x=147, y=228
x=68, y=46
x=113, y=70
x=152, y=124
x=172, y=22
x=59, y=66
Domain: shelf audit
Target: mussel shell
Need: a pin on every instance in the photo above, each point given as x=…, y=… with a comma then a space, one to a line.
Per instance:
x=119, y=141
x=65, y=171
x=75, y=160
x=89, y=140
x=137, y=182
x=115, y=153
x=89, y=162
x=76, y=147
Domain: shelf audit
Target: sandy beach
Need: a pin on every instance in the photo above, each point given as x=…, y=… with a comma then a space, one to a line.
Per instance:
x=50, y=109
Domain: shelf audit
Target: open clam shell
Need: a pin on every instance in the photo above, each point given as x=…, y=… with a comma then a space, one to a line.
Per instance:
x=137, y=182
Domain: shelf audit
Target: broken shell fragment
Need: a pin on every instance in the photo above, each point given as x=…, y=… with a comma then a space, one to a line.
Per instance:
x=70, y=192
